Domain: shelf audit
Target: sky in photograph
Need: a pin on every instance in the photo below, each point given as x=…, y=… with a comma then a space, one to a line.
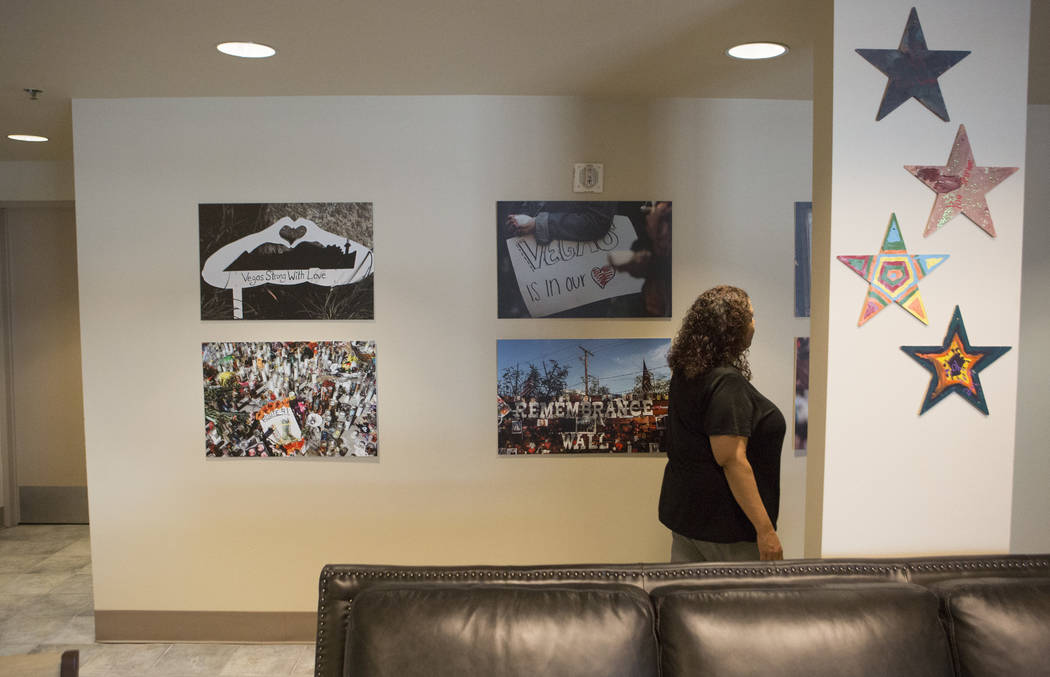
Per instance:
x=616, y=362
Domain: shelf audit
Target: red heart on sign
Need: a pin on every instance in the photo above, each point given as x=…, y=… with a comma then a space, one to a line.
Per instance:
x=602, y=275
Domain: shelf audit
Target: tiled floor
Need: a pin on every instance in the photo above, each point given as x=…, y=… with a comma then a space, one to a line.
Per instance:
x=46, y=606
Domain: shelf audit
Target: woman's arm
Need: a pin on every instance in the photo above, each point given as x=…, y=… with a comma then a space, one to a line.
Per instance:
x=730, y=452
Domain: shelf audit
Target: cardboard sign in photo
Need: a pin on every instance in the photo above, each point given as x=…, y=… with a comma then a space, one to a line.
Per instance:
x=584, y=259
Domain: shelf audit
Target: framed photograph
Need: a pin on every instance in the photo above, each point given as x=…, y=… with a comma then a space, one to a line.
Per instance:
x=582, y=396
x=803, y=250
x=584, y=259
x=289, y=261
x=290, y=399
x=801, y=395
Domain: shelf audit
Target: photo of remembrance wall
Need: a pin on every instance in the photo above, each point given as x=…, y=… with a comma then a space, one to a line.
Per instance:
x=290, y=399
x=591, y=396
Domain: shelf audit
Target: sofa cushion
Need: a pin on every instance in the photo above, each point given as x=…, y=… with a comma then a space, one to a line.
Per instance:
x=785, y=630
x=400, y=630
x=998, y=626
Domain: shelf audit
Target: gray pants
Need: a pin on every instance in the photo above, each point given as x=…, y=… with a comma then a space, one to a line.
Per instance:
x=685, y=549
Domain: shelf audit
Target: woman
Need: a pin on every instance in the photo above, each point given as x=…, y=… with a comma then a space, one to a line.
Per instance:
x=721, y=488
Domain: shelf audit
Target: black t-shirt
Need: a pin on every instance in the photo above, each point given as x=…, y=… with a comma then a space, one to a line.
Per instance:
x=695, y=499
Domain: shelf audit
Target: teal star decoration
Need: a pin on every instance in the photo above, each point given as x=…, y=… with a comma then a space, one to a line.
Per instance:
x=954, y=366
x=912, y=70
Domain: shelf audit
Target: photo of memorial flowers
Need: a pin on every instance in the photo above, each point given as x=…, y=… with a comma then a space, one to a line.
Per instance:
x=290, y=399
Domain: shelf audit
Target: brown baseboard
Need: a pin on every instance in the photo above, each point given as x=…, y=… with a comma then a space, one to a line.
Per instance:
x=52, y=505
x=205, y=626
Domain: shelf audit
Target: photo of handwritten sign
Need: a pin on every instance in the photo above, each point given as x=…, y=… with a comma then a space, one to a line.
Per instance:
x=286, y=261
x=584, y=259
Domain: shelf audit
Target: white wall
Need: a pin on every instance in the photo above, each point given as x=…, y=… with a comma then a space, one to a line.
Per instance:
x=894, y=481
x=33, y=181
x=253, y=536
x=1031, y=500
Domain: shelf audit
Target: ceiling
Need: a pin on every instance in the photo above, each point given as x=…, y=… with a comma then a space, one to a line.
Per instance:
x=600, y=48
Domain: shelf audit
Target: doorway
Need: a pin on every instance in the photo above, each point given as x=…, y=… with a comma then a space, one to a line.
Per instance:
x=43, y=470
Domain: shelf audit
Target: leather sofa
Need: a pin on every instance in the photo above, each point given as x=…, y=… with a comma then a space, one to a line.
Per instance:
x=973, y=616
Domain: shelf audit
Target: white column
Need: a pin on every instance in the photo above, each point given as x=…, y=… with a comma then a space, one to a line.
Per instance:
x=894, y=481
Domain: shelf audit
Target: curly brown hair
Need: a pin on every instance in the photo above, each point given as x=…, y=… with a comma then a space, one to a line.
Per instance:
x=714, y=333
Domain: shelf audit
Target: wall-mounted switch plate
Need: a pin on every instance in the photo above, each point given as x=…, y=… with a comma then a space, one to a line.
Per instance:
x=588, y=177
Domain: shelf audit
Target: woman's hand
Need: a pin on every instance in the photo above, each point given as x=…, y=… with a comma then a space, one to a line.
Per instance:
x=769, y=547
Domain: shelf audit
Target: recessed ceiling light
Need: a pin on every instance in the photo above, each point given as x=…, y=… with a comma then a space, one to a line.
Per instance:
x=32, y=138
x=246, y=50
x=757, y=50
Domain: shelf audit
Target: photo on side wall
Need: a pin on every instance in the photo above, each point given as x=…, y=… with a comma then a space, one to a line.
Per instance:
x=290, y=399
x=286, y=261
x=803, y=256
x=583, y=259
x=801, y=394
x=582, y=396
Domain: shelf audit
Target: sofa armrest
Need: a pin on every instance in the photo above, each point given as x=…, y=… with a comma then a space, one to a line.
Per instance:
x=42, y=665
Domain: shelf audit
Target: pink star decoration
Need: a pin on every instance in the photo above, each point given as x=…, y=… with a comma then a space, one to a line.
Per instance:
x=960, y=186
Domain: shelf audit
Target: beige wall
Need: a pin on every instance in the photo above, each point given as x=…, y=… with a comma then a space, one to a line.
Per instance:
x=45, y=185
x=47, y=425
x=36, y=181
x=1031, y=500
x=228, y=535
x=7, y=463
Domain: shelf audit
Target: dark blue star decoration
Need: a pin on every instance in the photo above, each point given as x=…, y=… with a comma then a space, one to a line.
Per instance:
x=912, y=70
x=954, y=366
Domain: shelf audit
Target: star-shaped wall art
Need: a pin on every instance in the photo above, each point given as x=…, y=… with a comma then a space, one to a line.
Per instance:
x=893, y=276
x=960, y=186
x=954, y=366
x=912, y=70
